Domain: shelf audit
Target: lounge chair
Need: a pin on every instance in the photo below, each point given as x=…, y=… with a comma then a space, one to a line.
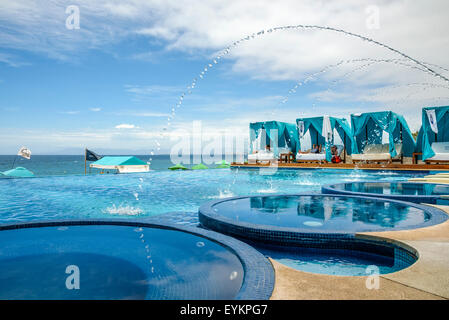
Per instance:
x=378, y=153
x=441, y=150
x=261, y=156
x=311, y=156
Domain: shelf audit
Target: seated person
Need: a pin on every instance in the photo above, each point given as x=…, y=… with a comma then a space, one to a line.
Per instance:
x=335, y=156
x=268, y=148
x=315, y=149
x=334, y=151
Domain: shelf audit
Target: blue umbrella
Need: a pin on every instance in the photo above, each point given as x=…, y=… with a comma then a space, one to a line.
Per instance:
x=19, y=172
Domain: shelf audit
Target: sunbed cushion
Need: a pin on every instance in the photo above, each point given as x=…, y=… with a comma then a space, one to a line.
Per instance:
x=378, y=152
x=260, y=156
x=371, y=156
x=311, y=156
x=441, y=150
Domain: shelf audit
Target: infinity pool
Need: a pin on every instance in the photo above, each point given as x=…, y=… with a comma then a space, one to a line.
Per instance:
x=115, y=262
x=155, y=193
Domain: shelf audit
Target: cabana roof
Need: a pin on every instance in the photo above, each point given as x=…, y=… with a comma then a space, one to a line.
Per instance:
x=121, y=163
x=368, y=127
x=287, y=135
x=315, y=126
x=19, y=172
x=427, y=134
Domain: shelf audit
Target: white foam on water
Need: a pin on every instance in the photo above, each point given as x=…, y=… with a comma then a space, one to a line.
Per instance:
x=306, y=183
x=123, y=210
x=222, y=194
x=313, y=223
x=271, y=190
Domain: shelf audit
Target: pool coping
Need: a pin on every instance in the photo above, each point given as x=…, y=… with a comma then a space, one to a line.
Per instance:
x=330, y=189
x=258, y=280
x=237, y=228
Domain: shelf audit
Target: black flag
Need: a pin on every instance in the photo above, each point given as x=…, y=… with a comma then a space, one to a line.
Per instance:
x=92, y=156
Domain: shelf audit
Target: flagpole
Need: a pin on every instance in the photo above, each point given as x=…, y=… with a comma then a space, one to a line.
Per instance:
x=15, y=158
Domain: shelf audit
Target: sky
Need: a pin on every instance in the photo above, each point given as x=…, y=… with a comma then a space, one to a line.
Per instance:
x=120, y=81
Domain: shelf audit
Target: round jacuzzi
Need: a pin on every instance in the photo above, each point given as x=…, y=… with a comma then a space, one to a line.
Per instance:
x=127, y=260
x=406, y=191
x=280, y=217
x=356, y=256
x=320, y=233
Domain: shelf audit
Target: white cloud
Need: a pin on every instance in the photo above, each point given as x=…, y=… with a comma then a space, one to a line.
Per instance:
x=11, y=60
x=70, y=112
x=200, y=29
x=95, y=109
x=125, y=126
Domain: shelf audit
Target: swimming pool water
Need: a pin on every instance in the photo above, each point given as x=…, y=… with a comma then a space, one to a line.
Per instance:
x=395, y=188
x=115, y=262
x=154, y=193
x=318, y=213
x=334, y=261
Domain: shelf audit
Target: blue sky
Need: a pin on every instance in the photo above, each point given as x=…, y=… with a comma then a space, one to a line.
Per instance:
x=111, y=84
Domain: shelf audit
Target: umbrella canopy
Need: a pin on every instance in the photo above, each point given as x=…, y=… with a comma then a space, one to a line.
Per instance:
x=200, y=167
x=178, y=167
x=19, y=172
x=223, y=166
x=222, y=162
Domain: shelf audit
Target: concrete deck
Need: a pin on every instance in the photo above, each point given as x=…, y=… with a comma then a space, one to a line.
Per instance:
x=427, y=278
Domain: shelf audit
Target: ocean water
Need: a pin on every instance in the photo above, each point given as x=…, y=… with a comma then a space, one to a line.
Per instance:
x=42, y=165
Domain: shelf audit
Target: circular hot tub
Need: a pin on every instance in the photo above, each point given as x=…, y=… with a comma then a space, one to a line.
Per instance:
x=286, y=216
x=417, y=192
x=127, y=260
x=320, y=233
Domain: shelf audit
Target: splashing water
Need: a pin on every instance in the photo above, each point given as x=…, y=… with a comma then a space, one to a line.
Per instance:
x=222, y=194
x=123, y=210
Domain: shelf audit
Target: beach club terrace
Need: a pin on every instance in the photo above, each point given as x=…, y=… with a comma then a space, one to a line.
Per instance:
x=373, y=141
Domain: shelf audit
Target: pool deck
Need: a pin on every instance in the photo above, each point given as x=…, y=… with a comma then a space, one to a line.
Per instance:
x=427, y=278
x=350, y=166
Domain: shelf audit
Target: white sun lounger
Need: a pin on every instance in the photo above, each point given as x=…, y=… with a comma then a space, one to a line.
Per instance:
x=261, y=156
x=378, y=153
x=441, y=150
x=310, y=157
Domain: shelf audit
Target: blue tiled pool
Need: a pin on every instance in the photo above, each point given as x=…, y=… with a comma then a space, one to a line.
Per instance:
x=407, y=191
x=357, y=258
x=125, y=261
x=155, y=193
